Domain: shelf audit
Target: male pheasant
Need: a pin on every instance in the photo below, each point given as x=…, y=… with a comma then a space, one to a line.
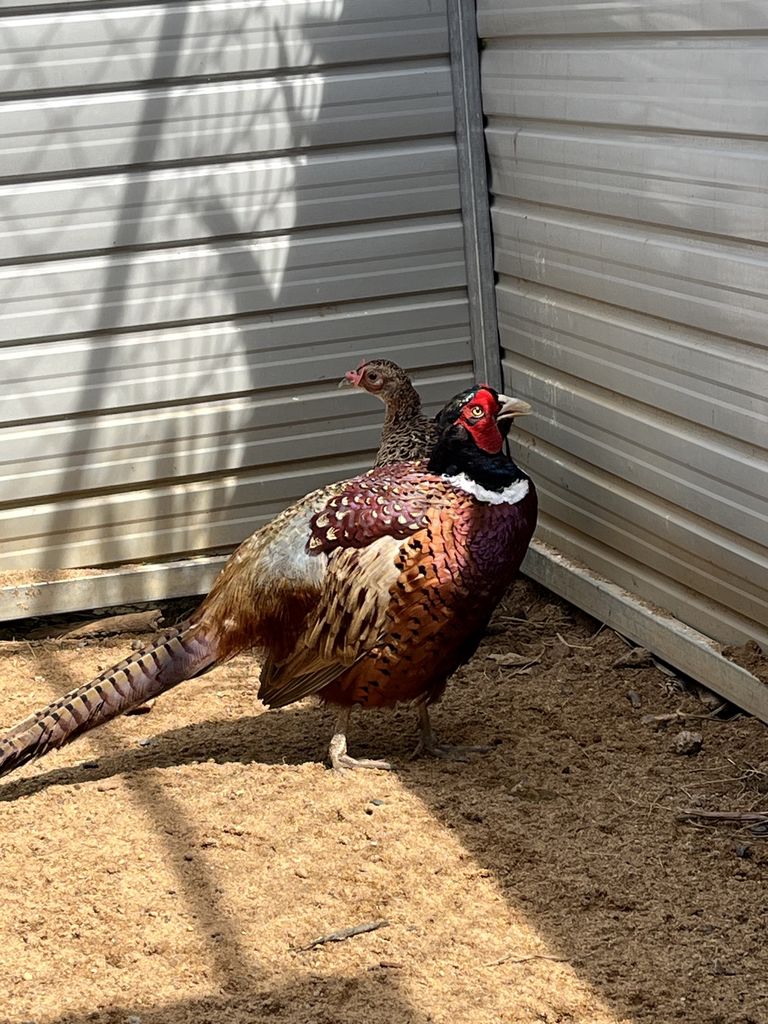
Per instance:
x=407, y=433
x=367, y=593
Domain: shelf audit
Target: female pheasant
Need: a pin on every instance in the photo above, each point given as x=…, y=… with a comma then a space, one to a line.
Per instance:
x=367, y=593
x=407, y=433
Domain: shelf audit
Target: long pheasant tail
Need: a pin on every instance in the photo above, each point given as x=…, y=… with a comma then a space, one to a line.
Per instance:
x=178, y=654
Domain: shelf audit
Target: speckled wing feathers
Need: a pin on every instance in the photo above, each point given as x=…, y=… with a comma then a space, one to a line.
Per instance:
x=392, y=501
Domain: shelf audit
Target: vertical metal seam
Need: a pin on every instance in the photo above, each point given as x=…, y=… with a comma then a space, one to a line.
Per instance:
x=474, y=191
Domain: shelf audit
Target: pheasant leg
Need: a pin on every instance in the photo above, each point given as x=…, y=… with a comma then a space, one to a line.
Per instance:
x=337, y=749
x=428, y=744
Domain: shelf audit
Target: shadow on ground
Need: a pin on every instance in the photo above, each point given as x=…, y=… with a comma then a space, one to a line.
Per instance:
x=320, y=1000
x=572, y=815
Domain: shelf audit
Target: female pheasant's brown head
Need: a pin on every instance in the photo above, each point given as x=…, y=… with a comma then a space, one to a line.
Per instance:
x=384, y=379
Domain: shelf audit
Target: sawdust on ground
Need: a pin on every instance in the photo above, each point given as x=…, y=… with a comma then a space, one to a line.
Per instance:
x=168, y=868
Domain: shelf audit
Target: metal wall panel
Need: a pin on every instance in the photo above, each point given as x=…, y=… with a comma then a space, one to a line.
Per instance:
x=78, y=215
x=152, y=125
x=628, y=146
x=210, y=210
x=98, y=47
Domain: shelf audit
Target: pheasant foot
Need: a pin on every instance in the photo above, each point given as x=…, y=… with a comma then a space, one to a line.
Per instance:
x=429, y=746
x=337, y=750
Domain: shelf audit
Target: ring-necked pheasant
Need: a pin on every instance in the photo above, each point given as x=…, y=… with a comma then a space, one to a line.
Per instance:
x=407, y=433
x=367, y=593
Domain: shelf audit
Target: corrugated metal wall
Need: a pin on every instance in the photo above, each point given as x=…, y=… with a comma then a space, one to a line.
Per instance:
x=628, y=144
x=206, y=208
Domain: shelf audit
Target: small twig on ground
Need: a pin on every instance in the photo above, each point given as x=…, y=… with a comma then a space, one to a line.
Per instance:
x=722, y=782
x=691, y=812
x=513, y=958
x=533, y=624
x=342, y=934
x=580, y=647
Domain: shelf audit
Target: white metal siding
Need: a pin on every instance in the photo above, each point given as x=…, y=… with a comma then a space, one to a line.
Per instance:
x=628, y=144
x=206, y=209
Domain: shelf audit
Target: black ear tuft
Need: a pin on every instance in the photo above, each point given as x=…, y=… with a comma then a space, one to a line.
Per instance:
x=450, y=413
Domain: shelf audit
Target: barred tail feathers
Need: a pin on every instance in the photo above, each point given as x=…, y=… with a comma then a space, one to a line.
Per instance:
x=178, y=654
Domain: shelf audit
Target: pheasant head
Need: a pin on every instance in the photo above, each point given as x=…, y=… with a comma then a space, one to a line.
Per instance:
x=471, y=432
x=386, y=381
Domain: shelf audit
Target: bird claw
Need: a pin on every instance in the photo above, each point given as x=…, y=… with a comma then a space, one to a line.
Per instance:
x=337, y=750
x=344, y=763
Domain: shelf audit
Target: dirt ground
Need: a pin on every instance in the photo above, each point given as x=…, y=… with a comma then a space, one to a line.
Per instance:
x=168, y=868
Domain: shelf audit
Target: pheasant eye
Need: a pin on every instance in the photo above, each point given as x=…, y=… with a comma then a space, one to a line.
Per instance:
x=477, y=411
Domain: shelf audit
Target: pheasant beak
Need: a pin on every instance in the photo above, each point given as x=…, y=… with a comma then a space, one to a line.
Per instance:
x=351, y=379
x=512, y=407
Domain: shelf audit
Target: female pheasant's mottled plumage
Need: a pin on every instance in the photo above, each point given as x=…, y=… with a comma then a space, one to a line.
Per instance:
x=368, y=593
x=407, y=433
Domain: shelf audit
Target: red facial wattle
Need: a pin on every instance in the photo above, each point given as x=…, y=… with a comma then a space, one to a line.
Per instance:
x=484, y=429
x=355, y=376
